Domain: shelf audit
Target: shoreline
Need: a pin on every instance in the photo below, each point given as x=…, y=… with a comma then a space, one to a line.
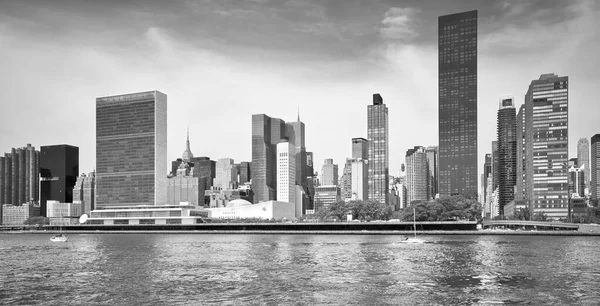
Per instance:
x=317, y=232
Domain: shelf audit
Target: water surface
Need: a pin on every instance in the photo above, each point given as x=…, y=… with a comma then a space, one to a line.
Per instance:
x=160, y=269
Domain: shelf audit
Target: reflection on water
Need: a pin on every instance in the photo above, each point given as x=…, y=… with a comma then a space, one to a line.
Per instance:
x=298, y=269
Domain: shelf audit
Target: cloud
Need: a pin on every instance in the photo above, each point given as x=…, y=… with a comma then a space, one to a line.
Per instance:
x=398, y=23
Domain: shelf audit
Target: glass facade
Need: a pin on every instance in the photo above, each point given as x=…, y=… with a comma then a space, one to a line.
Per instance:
x=378, y=138
x=131, y=149
x=59, y=168
x=507, y=152
x=457, y=62
x=546, y=125
x=267, y=132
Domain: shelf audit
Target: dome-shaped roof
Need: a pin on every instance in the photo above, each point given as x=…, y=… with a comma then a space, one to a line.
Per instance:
x=238, y=203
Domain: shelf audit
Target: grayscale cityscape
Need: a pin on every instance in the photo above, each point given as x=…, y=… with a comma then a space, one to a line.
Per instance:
x=299, y=152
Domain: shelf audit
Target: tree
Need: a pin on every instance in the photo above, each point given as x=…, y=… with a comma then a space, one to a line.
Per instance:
x=37, y=221
x=539, y=216
x=522, y=214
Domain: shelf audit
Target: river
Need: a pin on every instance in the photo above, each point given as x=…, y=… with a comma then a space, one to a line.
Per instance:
x=172, y=269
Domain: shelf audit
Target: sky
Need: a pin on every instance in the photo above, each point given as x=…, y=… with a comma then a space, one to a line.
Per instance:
x=221, y=61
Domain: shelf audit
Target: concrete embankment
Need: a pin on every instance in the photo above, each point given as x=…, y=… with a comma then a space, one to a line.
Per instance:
x=341, y=232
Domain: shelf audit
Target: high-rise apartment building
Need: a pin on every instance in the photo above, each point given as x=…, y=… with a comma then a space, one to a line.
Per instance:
x=507, y=152
x=520, y=192
x=131, y=150
x=495, y=164
x=583, y=157
x=417, y=174
x=360, y=179
x=547, y=151
x=21, y=185
x=432, y=162
x=346, y=180
x=487, y=172
x=59, y=168
x=457, y=64
x=329, y=173
x=595, y=171
x=185, y=187
x=226, y=176
x=378, y=139
x=84, y=192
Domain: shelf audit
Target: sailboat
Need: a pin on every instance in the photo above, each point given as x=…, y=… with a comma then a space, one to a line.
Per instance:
x=414, y=239
x=60, y=237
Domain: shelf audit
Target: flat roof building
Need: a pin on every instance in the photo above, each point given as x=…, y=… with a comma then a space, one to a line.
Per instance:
x=131, y=149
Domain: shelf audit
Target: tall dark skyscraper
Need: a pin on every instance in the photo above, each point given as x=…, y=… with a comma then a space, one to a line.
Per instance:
x=378, y=137
x=457, y=64
x=507, y=152
x=547, y=150
x=131, y=150
x=267, y=132
x=59, y=169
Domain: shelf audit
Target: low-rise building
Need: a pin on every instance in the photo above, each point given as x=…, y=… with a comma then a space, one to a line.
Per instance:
x=17, y=214
x=511, y=209
x=184, y=213
x=242, y=209
x=326, y=195
x=63, y=213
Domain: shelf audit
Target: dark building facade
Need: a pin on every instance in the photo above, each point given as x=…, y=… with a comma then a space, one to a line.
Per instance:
x=487, y=171
x=59, y=168
x=378, y=139
x=19, y=176
x=432, y=161
x=595, y=169
x=507, y=152
x=244, y=172
x=457, y=64
x=267, y=132
x=131, y=150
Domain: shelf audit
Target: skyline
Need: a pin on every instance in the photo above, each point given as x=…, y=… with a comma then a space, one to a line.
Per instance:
x=357, y=50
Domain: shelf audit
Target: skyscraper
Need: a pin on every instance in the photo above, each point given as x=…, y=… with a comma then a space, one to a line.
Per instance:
x=495, y=164
x=583, y=157
x=507, y=152
x=432, y=162
x=59, y=168
x=286, y=172
x=267, y=132
x=346, y=180
x=417, y=174
x=520, y=194
x=547, y=151
x=378, y=135
x=595, y=171
x=131, y=149
x=457, y=64
x=360, y=148
x=24, y=180
x=226, y=176
x=487, y=172
x=329, y=173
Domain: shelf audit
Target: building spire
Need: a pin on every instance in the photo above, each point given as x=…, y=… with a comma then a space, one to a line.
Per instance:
x=298, y=112
x=187, y=154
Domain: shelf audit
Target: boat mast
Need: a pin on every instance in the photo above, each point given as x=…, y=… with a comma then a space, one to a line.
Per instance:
x=414, y=222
